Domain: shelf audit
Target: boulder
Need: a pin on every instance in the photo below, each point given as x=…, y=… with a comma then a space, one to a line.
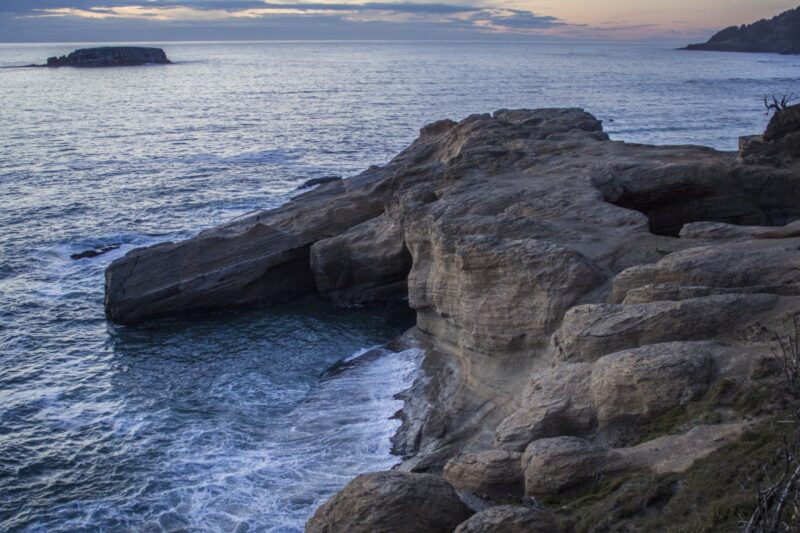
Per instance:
x=387, y=502
x=644, y=382
x=557, y=401
x=510, y=519
x=494, y=474
x=554, y=465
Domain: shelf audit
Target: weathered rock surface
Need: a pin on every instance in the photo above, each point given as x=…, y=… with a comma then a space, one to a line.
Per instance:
x=569, y=291
x=591, y=331
x=554, y=465
x=368, y=263
x=780, y=143
x=510, y=519
x=388, y=502
x=110, y=56
x=495, y=474
x=647, y=381
x=557, y=401
x=779, y=35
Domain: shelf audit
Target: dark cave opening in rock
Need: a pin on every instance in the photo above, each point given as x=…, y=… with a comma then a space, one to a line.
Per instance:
x=669, y=208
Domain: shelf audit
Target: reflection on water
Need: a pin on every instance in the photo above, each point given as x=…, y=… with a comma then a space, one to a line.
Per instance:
x=225, y=424
x=220, y=424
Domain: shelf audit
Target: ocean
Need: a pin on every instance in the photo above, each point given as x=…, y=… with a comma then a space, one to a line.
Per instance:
x=247, y=422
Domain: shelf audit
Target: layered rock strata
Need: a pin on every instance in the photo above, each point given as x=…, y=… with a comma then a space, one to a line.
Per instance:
x=570, y=292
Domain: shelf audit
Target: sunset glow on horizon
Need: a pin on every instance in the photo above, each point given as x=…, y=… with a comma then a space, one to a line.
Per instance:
x=281, y=19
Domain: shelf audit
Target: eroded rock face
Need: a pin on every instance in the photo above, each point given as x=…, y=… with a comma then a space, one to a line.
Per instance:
x=565, y=285
x=368, y=263
x=647, y=381
x=554, y=465
x=387, y=502
x=495, y=474
x=591, y=331
x=510, y=519
x=557, y=401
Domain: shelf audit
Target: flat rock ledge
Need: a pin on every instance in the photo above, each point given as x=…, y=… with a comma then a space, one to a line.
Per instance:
x=587, y=306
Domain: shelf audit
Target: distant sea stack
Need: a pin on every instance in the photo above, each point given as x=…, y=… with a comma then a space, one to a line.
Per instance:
x=779, y=35
x=110, y=56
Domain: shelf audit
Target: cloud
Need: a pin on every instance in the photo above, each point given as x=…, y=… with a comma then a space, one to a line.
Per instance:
x=458, y=17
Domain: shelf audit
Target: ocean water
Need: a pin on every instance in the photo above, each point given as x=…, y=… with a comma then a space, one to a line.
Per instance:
x=247, y=422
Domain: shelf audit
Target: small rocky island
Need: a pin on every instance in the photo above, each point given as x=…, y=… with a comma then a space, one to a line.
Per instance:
x=111, y=56
x=598, y=318
x=779, y=35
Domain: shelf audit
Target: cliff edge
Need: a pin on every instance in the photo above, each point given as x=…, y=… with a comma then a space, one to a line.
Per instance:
x=598, y=317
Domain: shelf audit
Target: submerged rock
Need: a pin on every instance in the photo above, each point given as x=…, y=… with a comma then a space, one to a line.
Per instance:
x=110, y=56
x=95, y=251
x=313, y=182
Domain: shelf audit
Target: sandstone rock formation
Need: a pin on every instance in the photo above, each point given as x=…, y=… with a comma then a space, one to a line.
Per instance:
x=495, y=474
x=110, y=56
x=388, y=502
x=510, y=519
x=582, y=302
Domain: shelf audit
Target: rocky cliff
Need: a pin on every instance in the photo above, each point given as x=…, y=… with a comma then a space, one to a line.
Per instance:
x=779, y=35
x=598, y=316
x=110, y=56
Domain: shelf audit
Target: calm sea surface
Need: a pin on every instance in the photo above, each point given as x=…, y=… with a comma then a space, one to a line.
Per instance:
x=235, y=423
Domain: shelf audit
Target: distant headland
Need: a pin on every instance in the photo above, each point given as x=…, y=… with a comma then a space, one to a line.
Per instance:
x=110, y=56
x=779, y=35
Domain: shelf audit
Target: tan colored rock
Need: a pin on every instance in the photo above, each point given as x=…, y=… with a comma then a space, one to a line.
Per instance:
x=718, y=231
x=258, y=259
x=644, y=382
x=388, y=502
x=510, y=519
x=554, y=465
x=765, y=265
x=674, y=454
x=367, y=263
x=591, y=331
x=556, y=402
x=495, y=474
x=534, y=242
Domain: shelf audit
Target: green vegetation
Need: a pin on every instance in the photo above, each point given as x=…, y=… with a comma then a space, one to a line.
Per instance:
x=716, y=494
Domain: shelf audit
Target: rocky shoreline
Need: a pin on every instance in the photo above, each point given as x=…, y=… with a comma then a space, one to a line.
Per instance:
x=598, y=317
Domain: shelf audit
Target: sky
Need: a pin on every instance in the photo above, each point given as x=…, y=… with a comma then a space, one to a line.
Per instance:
x=170, y=20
